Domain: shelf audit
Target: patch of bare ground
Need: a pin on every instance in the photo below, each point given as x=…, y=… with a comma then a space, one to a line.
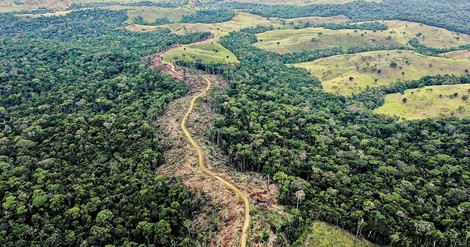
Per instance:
x=181, y=161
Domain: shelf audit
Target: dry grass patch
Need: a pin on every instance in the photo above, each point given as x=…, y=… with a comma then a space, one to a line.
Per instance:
x=464, y=54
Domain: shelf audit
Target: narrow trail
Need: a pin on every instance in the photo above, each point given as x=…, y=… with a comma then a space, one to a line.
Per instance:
x=197, y=147
x=206, y=170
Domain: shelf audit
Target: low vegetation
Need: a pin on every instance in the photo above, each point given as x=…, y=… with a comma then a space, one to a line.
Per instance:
x=428, y=102
x=348, y=74
x=463, y=54
x=297, y=40
x=209, y=52
x=397, y=35
x=322, y=234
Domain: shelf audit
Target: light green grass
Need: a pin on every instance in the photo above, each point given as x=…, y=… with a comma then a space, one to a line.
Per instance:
x=324, y=235
x=428, y=102
x=431, y=36
x=335, y=71
x=209, y=52
x=315, y=20
x=398, y=35
x=297, y=40
x=240, y=21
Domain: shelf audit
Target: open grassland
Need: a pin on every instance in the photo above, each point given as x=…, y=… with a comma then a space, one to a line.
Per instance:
x=464, y=54
x=212, y=52
x=208, y=52
x=352, y=73
x=428, y=102
x=427, y=35
x=240, y=21
x=297, y=40
x=325, y=235
x=398, y=35
x=297, y=2
x=315, y=20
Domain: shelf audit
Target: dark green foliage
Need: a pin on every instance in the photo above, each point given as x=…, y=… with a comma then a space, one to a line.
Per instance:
x=209, y=16
x=160, y=4
x=78, y=145
x=162, y=21
x=399, y=183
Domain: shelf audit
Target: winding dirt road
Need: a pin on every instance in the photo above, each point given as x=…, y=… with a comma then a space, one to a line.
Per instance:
x=200, y=153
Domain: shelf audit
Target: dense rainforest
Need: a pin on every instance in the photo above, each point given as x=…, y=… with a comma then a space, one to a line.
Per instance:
x=399, y=183
x=78, y=148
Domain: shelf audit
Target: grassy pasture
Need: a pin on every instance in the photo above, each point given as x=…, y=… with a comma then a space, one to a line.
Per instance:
x=317, y=20
x=240, y=21
x=324, y=235
x=296, y=40
x=206, y=51
x=428, y=102
x=209, y=52
x=464, y=54
x=352, y=73
x=427, y=35
x=398, y=34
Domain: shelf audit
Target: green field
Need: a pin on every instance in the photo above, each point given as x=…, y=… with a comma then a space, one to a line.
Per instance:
x=398, y=35
x=314, y=20
x=209, y=52
x=352, y=73
x=325, y=235
x=428, y=102
x=297, y=40
x=240, y=21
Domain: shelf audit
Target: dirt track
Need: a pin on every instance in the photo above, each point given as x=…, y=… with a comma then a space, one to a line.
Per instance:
x=170, y=69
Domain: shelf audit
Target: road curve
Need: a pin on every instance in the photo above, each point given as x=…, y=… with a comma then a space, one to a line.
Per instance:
x=200, y=153
x=206, y=170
